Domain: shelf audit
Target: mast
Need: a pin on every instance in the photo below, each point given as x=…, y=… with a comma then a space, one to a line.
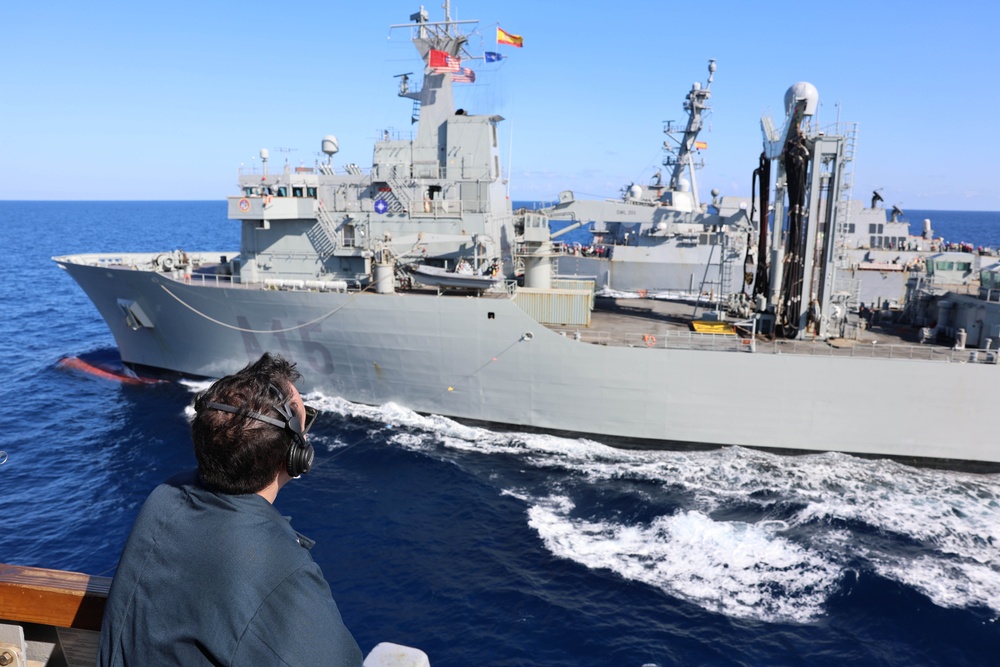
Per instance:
x=681, y=157
x=437, y=102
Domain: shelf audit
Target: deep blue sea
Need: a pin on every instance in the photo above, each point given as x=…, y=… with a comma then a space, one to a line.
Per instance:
x=494, y=548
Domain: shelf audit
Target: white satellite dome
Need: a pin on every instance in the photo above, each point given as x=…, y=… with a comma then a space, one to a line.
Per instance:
x=635, y=192
x=802, y=91
x=330, y=144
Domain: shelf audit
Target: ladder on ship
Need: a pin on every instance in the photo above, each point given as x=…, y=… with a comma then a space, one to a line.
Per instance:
x=720, y=288
x=397, y=198
x=324, y=235
x=844, y=282
x=726, y=286
x=850, y=134
x=919, y=291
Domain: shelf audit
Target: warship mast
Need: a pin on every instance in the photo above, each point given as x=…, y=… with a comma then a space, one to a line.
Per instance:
x=681, y=157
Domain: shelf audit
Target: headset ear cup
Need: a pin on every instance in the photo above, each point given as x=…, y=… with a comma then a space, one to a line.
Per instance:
x=300, y=457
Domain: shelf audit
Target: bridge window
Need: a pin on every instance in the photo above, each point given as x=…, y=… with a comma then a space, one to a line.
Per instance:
x=297, y=191
x=311, y=192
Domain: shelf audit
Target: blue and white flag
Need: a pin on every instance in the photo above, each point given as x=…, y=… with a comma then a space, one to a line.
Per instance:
x=492, y=57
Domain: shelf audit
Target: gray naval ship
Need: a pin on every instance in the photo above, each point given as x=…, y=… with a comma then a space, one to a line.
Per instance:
x=413, y=282
x=659, y=240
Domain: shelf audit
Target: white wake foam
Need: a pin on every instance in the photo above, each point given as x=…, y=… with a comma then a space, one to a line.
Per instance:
x=843, y=511
x=738, y=569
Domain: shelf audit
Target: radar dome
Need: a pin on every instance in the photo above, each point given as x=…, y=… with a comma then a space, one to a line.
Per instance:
x=684, y=185
x=635, y=192
x=330, y=144
x=802, y=91
x=264, y=154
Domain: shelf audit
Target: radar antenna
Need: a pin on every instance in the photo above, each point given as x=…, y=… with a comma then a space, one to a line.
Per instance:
x=876, y=196
x=286, y=151
x=404, y=83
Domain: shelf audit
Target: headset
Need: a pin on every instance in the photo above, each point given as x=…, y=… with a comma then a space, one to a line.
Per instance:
x=300, y=453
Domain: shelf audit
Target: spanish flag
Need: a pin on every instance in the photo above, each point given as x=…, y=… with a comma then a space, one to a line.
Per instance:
x=700, y=145
x=504, y=37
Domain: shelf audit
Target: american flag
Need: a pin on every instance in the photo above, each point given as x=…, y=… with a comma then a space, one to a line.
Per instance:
x=465, y=75
x=439, y=61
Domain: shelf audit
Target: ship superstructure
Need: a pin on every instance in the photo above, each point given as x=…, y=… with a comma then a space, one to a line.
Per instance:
x=435, y=197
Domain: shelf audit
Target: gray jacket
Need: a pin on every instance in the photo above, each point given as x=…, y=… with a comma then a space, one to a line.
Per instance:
x=213, y=579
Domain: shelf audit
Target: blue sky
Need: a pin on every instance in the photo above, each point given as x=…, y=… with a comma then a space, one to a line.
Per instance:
x=114, y=100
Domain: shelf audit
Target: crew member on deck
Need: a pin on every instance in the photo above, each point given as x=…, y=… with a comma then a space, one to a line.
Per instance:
x=212, y=574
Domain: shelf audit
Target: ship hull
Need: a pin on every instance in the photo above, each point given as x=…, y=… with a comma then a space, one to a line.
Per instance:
x=486, y=360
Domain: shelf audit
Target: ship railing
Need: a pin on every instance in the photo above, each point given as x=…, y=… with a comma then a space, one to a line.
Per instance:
x=392, y=134
x=689, y=340
x=587, y=336
x=210, y=280
x=434, y=208
x=875, y=350
x=574, y=248
x=124, y=261
x=318, y=168
x=555, y=249
x=508, y=287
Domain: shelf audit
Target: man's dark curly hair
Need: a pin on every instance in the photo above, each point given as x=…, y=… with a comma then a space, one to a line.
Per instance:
x=238, y=454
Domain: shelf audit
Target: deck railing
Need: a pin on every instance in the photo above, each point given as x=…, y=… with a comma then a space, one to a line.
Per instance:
x=52, y=597
x=683, y=340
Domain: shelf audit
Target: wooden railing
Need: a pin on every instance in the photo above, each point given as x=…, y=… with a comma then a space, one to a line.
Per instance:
x=52, y=597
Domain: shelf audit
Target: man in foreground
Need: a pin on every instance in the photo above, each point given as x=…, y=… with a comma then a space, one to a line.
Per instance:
x=212, y=574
